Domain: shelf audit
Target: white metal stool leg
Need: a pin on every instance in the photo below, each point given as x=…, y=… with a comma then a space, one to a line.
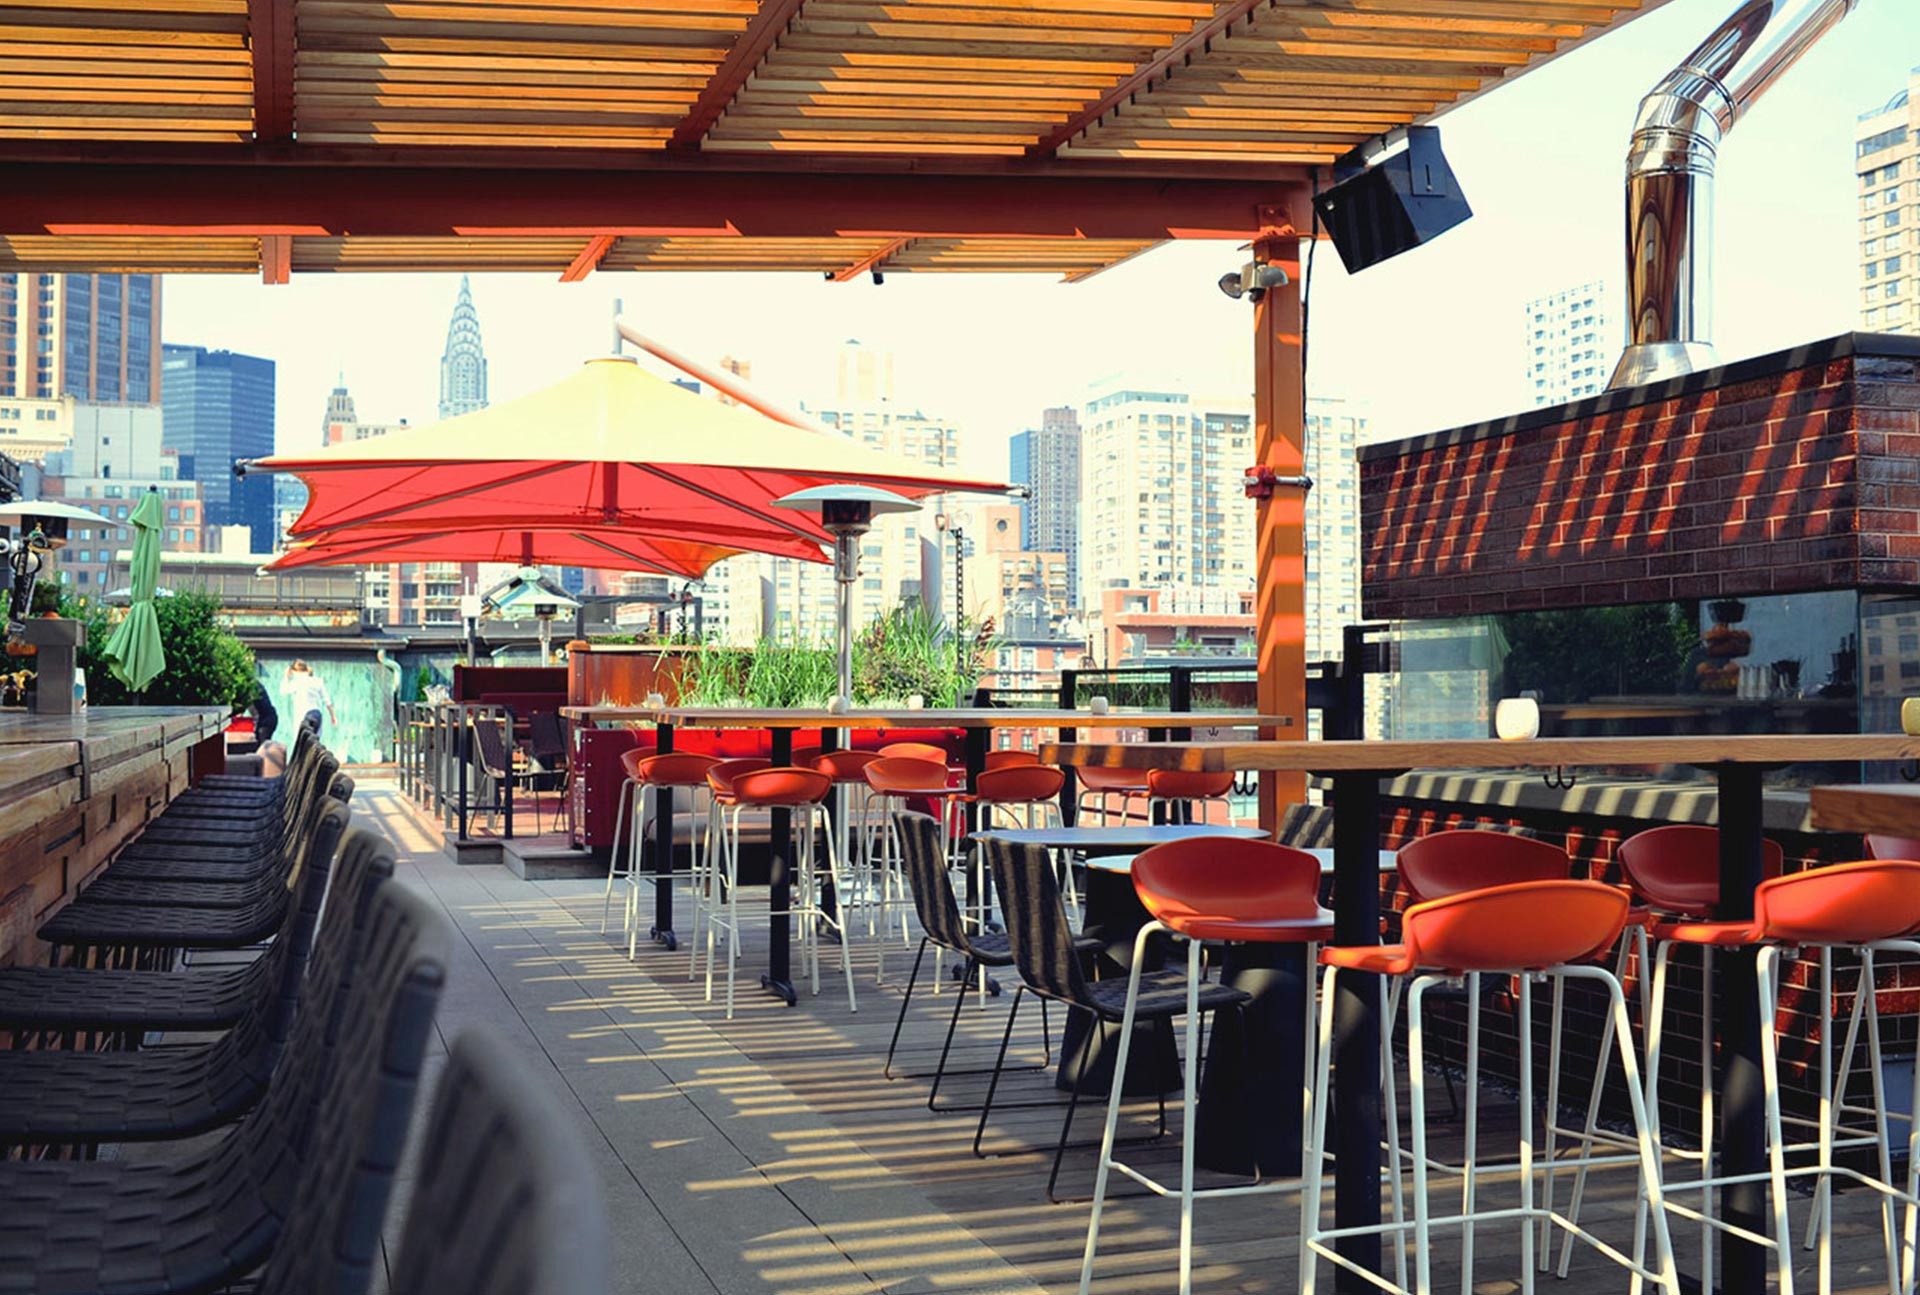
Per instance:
x=614, y=872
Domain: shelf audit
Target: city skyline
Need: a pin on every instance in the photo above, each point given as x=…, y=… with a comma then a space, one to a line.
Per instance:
x=1424, y=340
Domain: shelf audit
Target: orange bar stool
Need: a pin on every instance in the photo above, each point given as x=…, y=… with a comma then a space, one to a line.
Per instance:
x=650, y=779
x=1204, y=891
x=1180, y=791
x=1672, y=873
x=853, y=825
x=1438, y=866
x=916, y=751
x=1863, y=909
x=1525, y=930
x=804, y=791
x=1105, y=784
x=709, y=887
x=1009, y=759
x=1018, y=794
x=895, y=782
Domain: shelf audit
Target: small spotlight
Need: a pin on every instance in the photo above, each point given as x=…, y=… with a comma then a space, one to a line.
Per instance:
x=1252, y=281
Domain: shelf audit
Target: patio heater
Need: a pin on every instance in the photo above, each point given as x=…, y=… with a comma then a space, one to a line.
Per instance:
x=846, y=513
x=40, y=527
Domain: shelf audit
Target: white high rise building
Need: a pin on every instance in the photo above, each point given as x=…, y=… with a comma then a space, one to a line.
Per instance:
x=753, y=597
x=1334, y=432
x=1571, y=346
x=1886, y=145
x=1161, y=491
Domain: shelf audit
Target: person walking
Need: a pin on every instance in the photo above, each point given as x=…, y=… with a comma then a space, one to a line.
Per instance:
x=308, y=694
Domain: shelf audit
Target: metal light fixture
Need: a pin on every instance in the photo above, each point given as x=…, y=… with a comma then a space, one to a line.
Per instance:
x=39, y=527
x=1252, y=281
x=846, y=513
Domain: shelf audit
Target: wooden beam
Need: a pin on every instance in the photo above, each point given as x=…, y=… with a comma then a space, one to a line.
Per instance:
x=752, y=46
x=872, y=261
x=109, y=199
x=1175, y=55
x=276, y=258
x=270, y=38
x=589, y=258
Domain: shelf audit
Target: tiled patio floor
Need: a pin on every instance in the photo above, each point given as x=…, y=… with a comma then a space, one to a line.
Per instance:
x=768, y=1154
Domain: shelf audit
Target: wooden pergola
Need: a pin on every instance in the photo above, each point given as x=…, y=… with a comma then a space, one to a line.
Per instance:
x=841, y=137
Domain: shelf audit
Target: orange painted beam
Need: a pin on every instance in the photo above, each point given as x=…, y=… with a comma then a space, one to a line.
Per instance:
x=875, y=261
x=1280, y=435
x=276, y=258
x=589, y=258
x=242, y=196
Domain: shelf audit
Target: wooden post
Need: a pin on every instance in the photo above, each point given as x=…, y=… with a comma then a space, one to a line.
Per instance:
x=1279, y=419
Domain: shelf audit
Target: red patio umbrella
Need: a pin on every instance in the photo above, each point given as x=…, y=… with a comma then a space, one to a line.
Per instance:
x=612, y=448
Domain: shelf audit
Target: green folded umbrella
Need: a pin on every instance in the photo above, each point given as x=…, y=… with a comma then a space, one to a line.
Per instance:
x=134, y=651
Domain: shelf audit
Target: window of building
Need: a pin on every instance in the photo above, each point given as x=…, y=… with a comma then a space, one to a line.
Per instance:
x=1891, y=219
x=1892, y=289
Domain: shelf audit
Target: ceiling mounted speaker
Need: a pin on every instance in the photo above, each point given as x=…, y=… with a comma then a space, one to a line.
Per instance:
x=1403, y=199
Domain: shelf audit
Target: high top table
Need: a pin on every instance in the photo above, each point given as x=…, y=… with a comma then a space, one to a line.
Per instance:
x=977, y=721
x=1355, y=770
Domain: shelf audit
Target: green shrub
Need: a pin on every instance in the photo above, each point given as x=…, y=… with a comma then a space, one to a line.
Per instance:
x=207, y=665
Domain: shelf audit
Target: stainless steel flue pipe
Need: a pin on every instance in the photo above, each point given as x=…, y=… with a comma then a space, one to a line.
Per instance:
x=1676, y=137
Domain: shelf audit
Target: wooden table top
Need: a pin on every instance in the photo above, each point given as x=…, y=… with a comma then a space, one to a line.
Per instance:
x=886, y=717
x=1892, y=809
x=1481, y=753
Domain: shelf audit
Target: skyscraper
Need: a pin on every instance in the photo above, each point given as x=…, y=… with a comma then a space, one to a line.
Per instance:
x=340, y=411
x=1886, y=144
x=1161, y=479
x=463, y=365
x=90, y=336
x=218, y=409
x=1334, y=431
x=1047, y=461
x=1571, y=347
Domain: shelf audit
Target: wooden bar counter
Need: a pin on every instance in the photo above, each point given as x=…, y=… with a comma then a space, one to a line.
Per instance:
x=74, y=789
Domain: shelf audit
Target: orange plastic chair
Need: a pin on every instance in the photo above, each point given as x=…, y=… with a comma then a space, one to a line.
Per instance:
x=892, y=775
x=646, y=771
x=1464, y=859
x=1019, y=784
x=897, y=781
x=1676, y=869
x=1104, y=783
x=1206, y=890
x=1863, y=908
x=765, y=786
x=1005, y=759
x=1892, y=847
x=1549, y=927
x=915, y=751
x=843, y=766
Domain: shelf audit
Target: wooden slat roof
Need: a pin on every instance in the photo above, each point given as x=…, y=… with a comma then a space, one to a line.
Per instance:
x=794, y=92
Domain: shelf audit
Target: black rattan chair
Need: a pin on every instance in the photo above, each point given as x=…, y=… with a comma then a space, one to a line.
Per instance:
x=215, y=859
x=943, y=928
x=52, y=1095
x=234, y=790
x=135, y=925
x=301, y=1184
x=506, y=1200
x=40, y=1004
x=1044, y=952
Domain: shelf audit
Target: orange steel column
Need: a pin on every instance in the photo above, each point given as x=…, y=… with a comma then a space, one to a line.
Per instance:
x=1279, y=416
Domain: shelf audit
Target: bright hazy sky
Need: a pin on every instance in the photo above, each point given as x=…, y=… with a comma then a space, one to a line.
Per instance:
x=1430, y=340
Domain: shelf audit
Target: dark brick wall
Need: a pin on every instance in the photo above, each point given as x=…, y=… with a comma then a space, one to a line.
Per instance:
x=1790, y=472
